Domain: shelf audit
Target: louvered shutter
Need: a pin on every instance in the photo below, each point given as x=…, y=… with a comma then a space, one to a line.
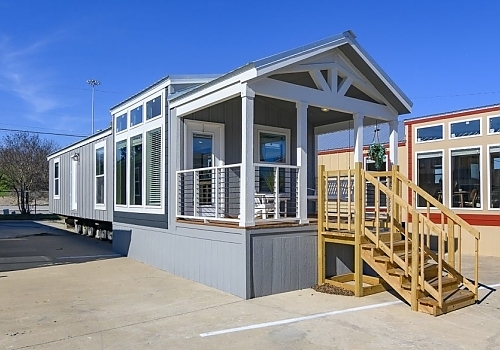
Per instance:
x=153, y=167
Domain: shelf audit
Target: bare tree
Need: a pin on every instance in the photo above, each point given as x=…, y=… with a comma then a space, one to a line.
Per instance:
x=23, y=162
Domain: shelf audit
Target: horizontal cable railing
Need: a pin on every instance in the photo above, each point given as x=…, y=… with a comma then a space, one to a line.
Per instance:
x=209, y=193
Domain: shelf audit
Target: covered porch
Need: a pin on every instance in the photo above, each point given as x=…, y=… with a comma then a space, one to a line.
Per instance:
x=246, y=152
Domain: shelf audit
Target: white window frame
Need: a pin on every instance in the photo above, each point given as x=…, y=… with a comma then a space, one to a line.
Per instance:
x=488, y=125
x=126, y=122
x=264, y=129
x=142, y=128
x=481, y=175
x=443, y=170
x=468, y=136
x=216, y=130
x=129, y=114
x=489, y=147
x=99, y=206
x=129, y=164
x=58, y=195
x=429, y=126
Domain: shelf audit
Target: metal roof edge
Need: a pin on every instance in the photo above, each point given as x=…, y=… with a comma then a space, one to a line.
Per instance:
x=103, y=133
x=451, y=113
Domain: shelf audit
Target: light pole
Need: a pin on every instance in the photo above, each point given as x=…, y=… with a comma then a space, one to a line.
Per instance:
x=93, y=83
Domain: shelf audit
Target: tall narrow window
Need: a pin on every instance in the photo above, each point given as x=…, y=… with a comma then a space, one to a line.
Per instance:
x=430, y=175
x=153, y=167
x=153, y=108
x=465, y=178
x=56, y=179
x=136, y=170
x=121, y=172
x=495, y=177
x=99, y=176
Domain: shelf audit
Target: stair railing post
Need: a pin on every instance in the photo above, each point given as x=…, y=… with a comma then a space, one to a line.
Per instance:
x=358, y=231
x=322, y=216
x=451, y=242
x=414, y=260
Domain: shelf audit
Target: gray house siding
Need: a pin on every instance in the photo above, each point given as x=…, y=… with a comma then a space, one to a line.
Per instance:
x=85, y=182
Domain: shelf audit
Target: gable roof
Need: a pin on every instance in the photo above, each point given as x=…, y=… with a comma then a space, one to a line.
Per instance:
x=347, y=44
x=344, y=139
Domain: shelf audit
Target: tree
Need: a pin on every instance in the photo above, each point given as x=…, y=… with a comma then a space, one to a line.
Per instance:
x=23, y=162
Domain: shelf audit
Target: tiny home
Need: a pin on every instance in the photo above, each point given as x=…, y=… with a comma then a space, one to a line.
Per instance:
x=214, y=178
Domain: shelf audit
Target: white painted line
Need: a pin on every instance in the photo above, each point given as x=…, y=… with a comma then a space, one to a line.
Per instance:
x=90, y=256
x=298, y=319
x=311, y=317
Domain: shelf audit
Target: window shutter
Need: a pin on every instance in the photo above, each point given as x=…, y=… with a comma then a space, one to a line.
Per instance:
x=153, y=167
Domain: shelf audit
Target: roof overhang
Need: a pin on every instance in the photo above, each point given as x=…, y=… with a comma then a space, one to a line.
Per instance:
x=87, y=140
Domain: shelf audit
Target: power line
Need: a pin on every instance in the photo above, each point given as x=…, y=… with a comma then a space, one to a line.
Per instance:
x=459, y=95
x=42, y=132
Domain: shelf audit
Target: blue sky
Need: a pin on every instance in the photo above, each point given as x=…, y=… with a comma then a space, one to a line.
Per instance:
x=442, y=54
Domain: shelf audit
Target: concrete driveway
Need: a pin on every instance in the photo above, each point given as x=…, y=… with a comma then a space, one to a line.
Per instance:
x=119, y=303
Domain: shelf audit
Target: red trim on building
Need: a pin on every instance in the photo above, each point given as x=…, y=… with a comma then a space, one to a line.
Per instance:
x=409, y=139
x=347, y=150
x=473, y=219
x=451, y=115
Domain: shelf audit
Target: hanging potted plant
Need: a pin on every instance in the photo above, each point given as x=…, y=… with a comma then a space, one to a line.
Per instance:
x=376, y=152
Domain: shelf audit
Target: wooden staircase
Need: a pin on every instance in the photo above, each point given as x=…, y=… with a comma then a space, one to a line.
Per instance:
x=400, y=243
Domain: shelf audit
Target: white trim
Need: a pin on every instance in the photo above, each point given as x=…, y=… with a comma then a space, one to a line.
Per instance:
x=81, y=143
x=443, y=136
x=481, y=185
x=73, y=184
x=259, y=129
x=204, y=128
x=415, y=175
x=488, y=124
x=488, y=166
x=58, y=195
x=463, y=121
x=100, y=206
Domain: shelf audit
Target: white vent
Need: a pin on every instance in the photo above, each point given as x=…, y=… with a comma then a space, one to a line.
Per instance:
x=153, y=167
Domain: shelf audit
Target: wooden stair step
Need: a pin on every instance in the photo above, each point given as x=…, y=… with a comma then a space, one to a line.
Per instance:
x=381, y=258
x=396, y=271
x=446, y=281
x=449, y=298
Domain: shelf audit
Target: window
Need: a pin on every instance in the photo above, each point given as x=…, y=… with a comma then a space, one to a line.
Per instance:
x=121, y=172
x=121, y=122
x=465, y=178
x=100, y=175
x=272, y=148
x=153, y=108
x=494, y=160
x=430, y=133
x=136, y=170
x=430, y=175
x=494, y=126
x=57, y=183
x=153, y=167
x=465, y=128
x=136, y=116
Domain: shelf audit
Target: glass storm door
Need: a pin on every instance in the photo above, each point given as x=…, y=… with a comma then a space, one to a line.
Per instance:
x=203, y=158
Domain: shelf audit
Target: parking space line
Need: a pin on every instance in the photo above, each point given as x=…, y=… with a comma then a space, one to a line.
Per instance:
x=311, y=317
x=298, y=319
x=90, y=256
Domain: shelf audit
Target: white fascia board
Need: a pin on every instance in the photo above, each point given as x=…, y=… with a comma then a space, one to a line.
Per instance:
x=208, y=100
x=288, y=61
x=243, y=76
x=140, y=98
x=382, y=77
x=80, y=144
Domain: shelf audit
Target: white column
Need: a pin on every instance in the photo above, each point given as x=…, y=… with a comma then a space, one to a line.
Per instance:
x=247, y=184
x=358, y=137
x=302, y=161
x=393, y=142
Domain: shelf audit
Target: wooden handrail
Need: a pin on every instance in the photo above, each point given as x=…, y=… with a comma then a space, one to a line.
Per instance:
x=448, y=212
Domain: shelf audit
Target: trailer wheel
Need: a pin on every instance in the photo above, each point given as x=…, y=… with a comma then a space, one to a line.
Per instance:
x=78, y=229
x=85, y=230
x=103, y=235
x=109, y=235
x=91, y=231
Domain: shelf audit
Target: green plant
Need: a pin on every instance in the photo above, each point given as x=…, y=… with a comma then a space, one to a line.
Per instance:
x=270, y=178
x=376, y=152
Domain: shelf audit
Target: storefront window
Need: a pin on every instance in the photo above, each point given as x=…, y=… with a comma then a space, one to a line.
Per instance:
x=430, y=176
x=465, y=178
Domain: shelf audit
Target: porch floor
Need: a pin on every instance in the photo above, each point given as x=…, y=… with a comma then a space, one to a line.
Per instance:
x=259, y=224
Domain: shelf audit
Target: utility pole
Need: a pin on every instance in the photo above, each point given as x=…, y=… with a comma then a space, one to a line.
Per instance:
x=93, y=83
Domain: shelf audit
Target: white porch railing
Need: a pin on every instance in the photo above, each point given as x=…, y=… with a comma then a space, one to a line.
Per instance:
x=214, y=193
x=209, y=193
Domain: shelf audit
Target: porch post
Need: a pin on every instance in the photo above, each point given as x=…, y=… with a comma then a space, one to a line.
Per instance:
x=247, y=176
x=302, y=161
x=393, y=142
x=358, y=138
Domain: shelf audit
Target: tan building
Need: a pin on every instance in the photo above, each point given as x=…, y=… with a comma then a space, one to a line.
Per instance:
x=455, y=157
